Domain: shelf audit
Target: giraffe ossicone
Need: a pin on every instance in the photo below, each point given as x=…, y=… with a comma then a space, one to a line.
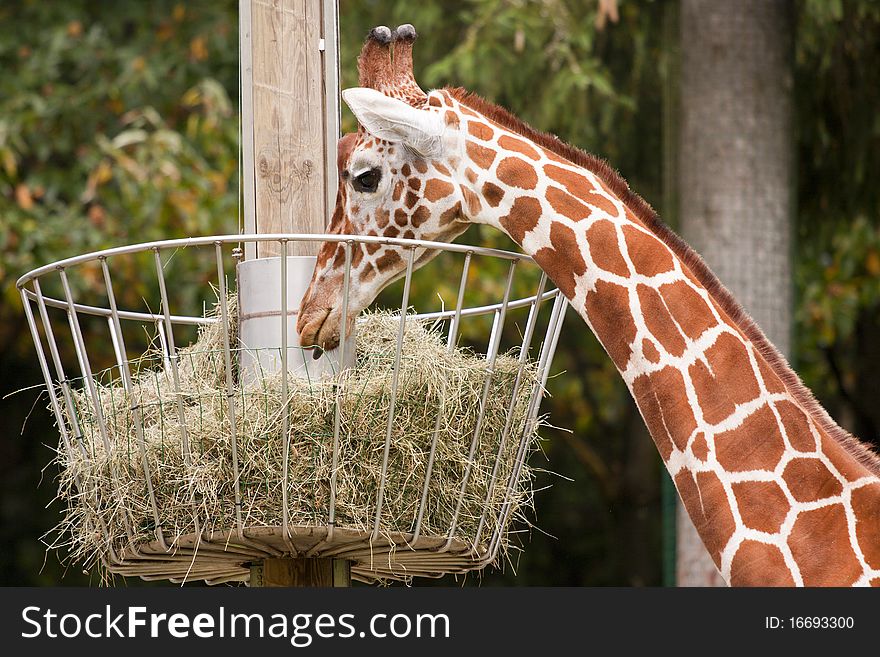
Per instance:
x=779, y=493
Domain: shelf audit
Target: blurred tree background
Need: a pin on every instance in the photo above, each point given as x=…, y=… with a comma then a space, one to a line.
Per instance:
x=118, y=124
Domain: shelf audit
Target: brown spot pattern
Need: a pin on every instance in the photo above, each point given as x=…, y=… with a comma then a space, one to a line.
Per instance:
x=772, y=381
x=652, y=414
x=400, y=217
x=733, y=381
x=451, y=214
x=472, y=200
x=706, y=502
x=480, y=130
x=659, y=321
x=562, y=261
x=808, y=480
x=754, y=445
x=843, y=462
x=382, y=217
x=567, y=205
x=604, y=250
x=759, y=564
x=480, y=155
x=797, y=429
x=867, y=500
x=648, y=254
x=581, y=187
x=515, y=172
x=421, y=166
x=826, y=562
x=762, y=505
x=676, y=419
x=650, y=352
x=357, y=256
x=518, y=145
x=688, y=308
x=420, y=216
x=387, y=259
x=607, y=307
x=414, y=183
x=435, y=189
x=700, y=447
x=493, y=194
x=523, y=217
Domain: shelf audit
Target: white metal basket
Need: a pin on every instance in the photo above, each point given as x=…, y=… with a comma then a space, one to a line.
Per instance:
x=86, y=332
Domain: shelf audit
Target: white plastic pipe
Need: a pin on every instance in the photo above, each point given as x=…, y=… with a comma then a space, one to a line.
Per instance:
x=259, y=313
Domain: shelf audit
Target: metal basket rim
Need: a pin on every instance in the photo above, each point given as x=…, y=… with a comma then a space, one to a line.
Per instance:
x=184, y=242
x=293, y=237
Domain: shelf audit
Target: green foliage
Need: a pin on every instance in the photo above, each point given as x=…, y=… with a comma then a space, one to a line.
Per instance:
x=116, y=126
x=838, y=219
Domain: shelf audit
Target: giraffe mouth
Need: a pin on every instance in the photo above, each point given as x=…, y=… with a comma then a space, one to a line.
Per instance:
x=310, y=334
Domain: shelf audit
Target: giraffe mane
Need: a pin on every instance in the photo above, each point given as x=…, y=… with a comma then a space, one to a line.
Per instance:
x=643, y=211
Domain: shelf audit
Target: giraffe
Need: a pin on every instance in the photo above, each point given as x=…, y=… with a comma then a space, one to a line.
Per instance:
x=778, y=492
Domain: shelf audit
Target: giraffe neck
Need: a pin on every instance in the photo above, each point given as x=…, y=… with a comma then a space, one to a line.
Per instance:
x=774, y=496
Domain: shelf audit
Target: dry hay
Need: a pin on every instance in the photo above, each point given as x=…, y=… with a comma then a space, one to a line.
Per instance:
x=106, y=494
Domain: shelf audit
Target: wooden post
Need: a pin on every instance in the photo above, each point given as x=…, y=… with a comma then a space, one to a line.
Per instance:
x=290, y=127
x=290, y=118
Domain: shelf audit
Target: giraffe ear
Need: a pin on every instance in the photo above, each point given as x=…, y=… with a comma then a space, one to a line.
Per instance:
x=394, y=120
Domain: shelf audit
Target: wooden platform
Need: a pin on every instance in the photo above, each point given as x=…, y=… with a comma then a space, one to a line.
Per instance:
x=223, y=557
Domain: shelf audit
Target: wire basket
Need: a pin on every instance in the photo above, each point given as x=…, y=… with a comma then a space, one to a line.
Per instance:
x=184, y=456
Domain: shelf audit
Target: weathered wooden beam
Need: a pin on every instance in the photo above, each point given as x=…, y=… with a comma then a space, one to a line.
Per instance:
x=290, y=118
x=301, y=572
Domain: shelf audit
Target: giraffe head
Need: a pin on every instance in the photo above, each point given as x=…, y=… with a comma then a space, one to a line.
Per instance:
x=397, y=178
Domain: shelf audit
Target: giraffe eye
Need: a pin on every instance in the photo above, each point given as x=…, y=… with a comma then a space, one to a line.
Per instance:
x=368, y=181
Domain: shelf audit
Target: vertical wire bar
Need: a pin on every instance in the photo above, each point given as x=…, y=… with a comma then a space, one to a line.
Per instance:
x=59, y=369
x=47, y=377
x=285, y=411
x=117, y=351
x=456, y=319
x=172, y=354
x=494, y=343
x=163, y=345
x=394, y=378
x=450, y=346
x=135, y=407
x=56, y=408
x=337, y=413
x=83, y=356
x=230, y=390
x=548, y=348
x=80, y=347
x=523, y=357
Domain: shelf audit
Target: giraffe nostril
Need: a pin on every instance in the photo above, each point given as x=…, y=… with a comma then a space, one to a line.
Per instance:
x=381, y=34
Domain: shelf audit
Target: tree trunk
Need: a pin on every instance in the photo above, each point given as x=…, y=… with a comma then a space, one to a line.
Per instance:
x=735, y=173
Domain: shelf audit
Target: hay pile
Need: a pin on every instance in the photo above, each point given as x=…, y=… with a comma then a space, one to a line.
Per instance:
x=105, y=492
